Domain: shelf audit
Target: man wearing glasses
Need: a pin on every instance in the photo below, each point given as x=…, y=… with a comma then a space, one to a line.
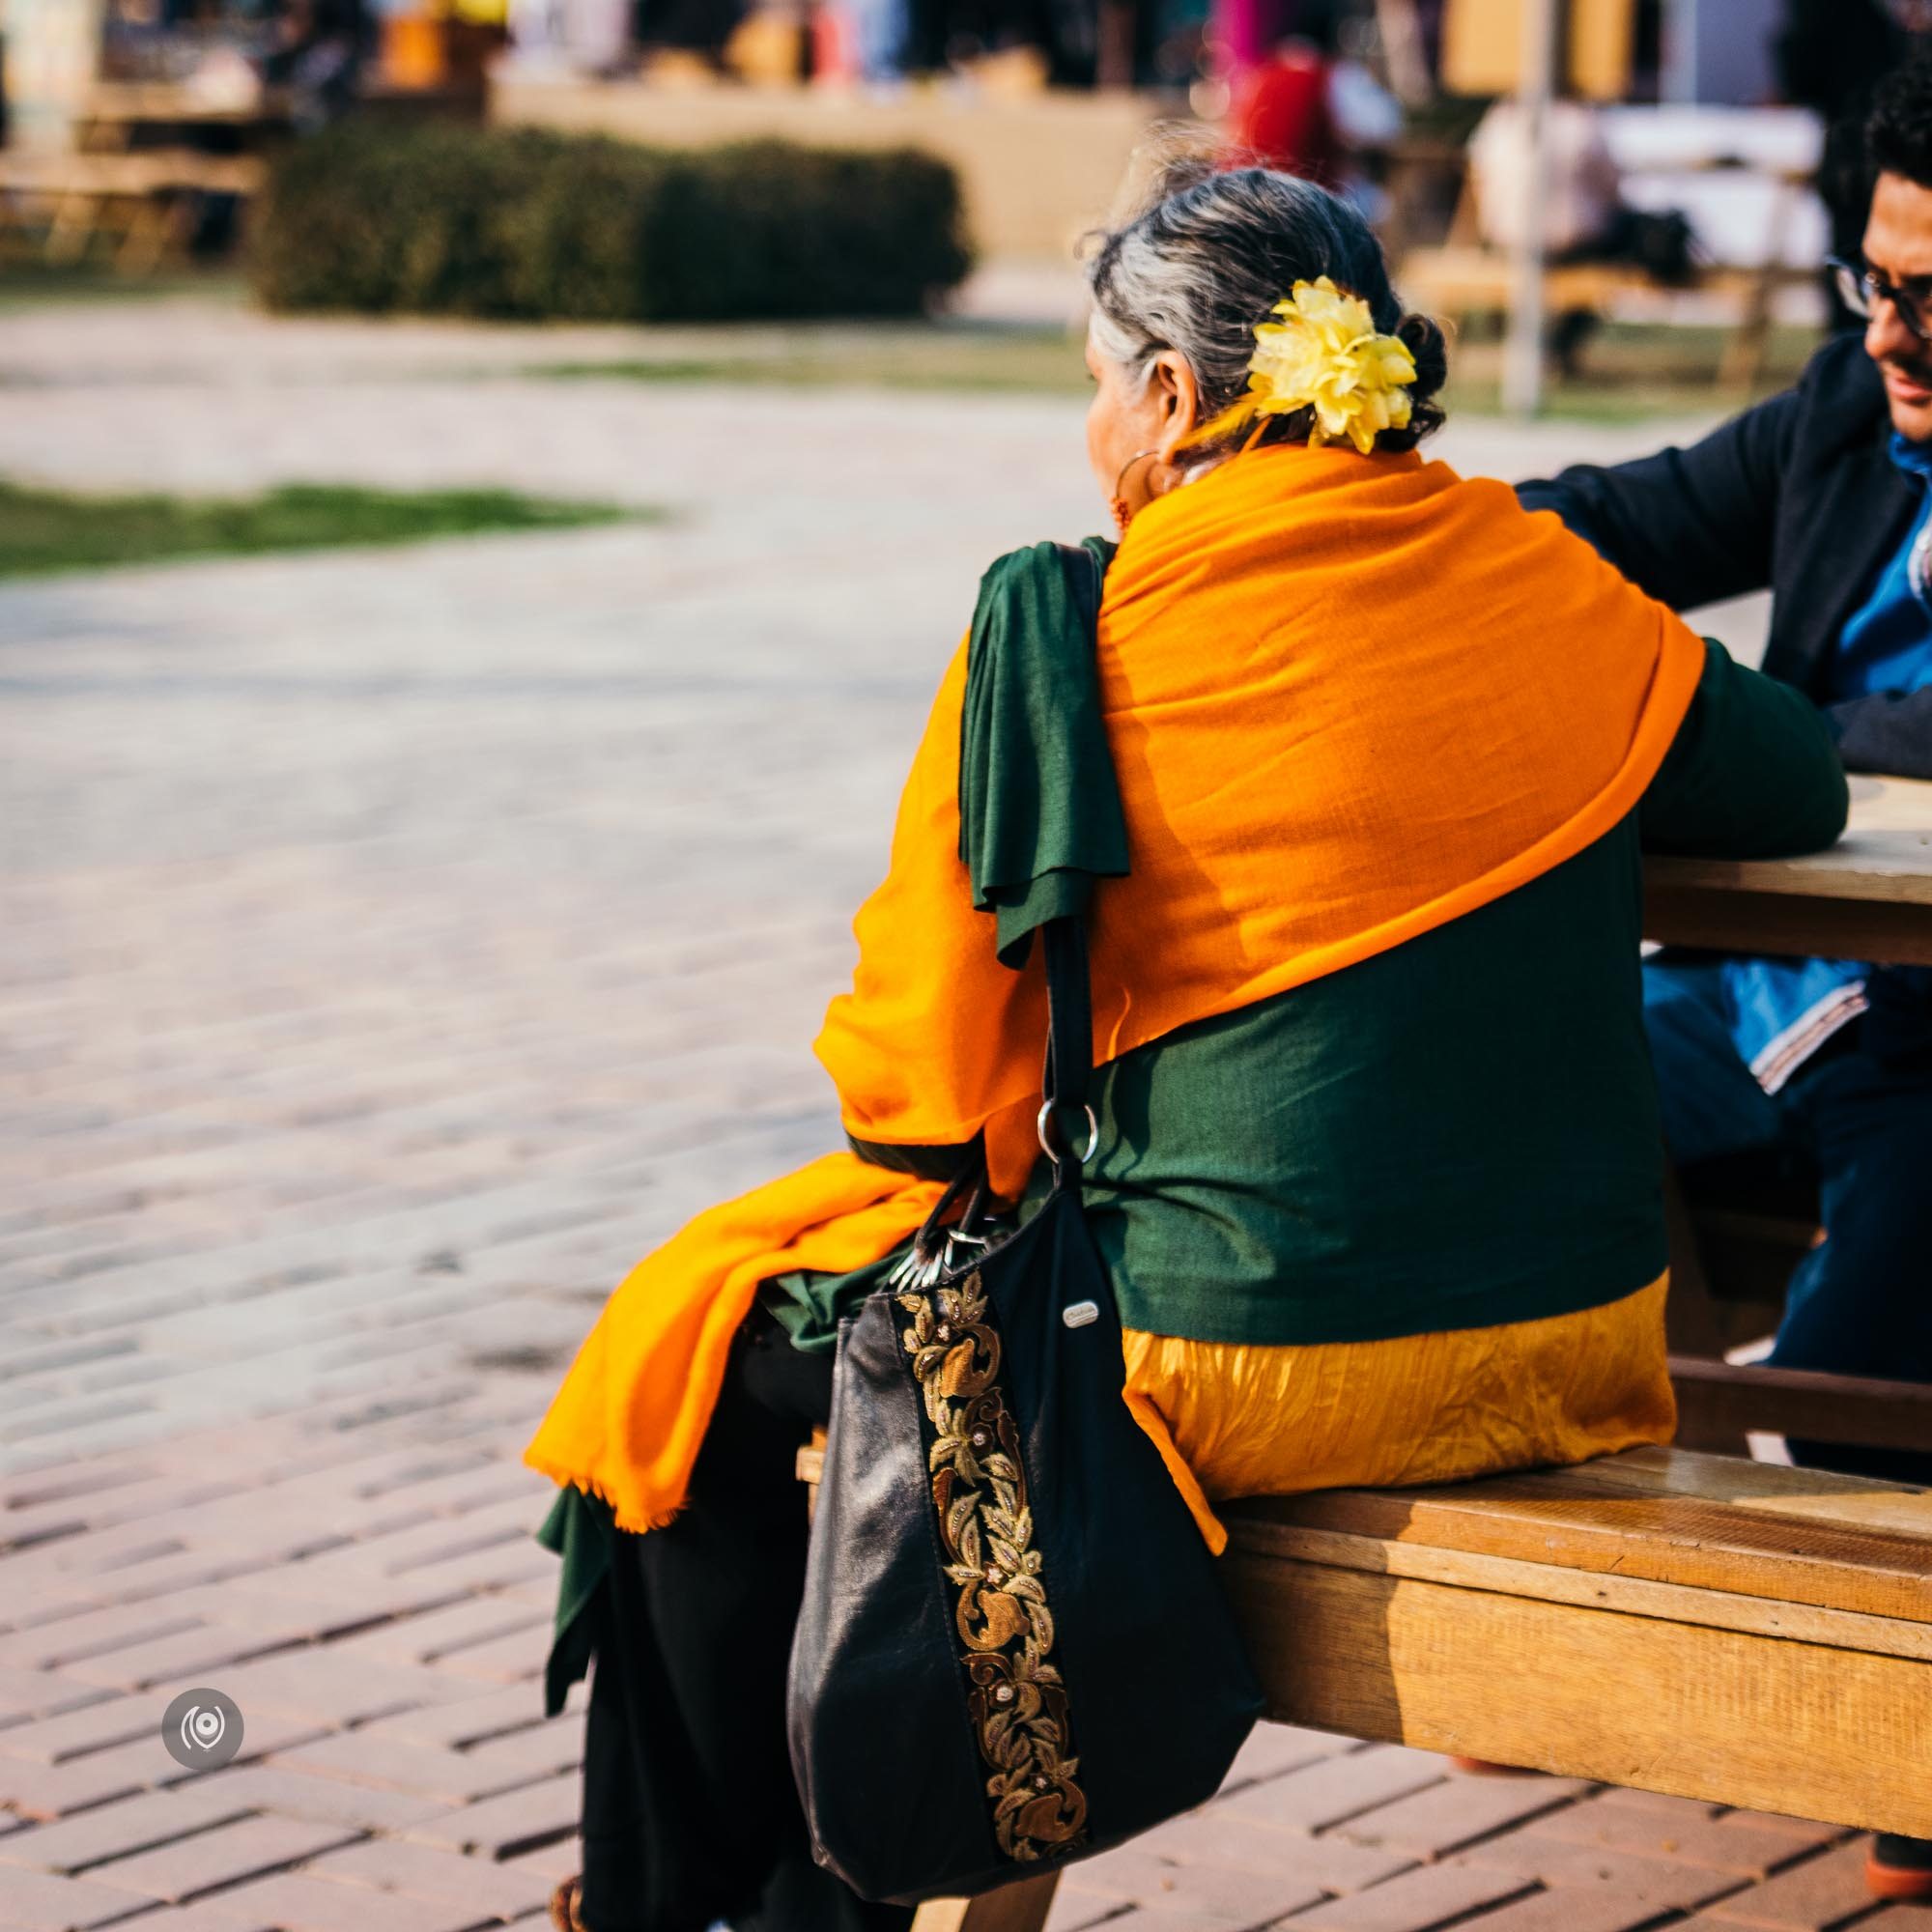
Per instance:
x=1824, y=1066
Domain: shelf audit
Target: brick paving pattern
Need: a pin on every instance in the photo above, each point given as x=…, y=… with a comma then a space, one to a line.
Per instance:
x=397, y=945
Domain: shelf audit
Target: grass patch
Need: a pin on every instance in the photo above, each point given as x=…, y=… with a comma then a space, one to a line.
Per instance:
x=45, y=531
x=929, y=356
x=31, y=285
x=1631, y=370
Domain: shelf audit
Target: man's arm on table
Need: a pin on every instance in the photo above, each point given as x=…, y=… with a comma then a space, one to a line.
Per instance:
x=1751, y=773
x=1694, y=525
x=1687, y=526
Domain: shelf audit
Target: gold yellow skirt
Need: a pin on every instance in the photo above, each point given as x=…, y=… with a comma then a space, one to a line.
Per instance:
x=1235, y=1419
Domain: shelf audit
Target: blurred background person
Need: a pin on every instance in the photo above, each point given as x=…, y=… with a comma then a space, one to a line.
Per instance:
x=1585, y=217
x=317, y=56
x=1312, y=110
x=1282, y=116
x=1582, y=191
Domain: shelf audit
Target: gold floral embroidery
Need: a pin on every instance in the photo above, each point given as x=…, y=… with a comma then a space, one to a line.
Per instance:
x=985, y=1530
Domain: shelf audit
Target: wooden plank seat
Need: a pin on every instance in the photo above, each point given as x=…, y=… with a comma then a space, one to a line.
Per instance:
x=1740, y=1632
x=1466, y=280
x=143, y=200
x=1730, y=1399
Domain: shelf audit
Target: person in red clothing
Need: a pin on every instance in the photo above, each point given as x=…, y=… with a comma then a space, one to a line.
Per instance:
x=1281, y=114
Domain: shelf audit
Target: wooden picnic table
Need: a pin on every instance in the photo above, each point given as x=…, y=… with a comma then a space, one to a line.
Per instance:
x=118, y=114
x=147, y=157
x=1465, y=275
x=1868, y=898
x=144, y=203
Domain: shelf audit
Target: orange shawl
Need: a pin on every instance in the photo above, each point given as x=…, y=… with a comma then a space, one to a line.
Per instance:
x=1348, y=698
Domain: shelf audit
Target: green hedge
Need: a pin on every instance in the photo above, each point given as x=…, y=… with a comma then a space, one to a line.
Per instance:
x=444, y=220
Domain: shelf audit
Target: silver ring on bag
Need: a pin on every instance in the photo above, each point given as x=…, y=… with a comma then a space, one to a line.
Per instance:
x=1047, y=1145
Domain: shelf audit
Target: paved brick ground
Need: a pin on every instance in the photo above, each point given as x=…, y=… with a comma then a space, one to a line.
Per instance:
x=396, y=945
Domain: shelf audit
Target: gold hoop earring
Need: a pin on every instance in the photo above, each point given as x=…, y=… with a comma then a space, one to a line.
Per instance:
x=1123, y=512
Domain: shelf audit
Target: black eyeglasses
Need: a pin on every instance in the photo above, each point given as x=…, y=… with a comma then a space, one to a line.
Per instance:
x=1861, y=289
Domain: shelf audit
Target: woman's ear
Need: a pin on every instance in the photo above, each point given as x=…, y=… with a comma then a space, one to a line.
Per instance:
x=1177, y=400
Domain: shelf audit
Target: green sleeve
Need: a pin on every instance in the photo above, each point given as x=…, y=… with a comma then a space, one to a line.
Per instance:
x=1753, y=772
x=582, y=1530
x=1040, y=806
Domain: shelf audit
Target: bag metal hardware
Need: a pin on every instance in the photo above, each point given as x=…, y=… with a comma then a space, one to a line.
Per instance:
x=1047, y=1145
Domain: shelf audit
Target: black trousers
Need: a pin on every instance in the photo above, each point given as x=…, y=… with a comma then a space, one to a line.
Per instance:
x=690, y=1812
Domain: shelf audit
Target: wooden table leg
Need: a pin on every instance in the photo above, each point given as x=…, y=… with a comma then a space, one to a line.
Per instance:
x=75, y=217
x=1748, y=347
x=1021, y=1907
x=1692, y=1320
x=1748, y=343
x=146, y=241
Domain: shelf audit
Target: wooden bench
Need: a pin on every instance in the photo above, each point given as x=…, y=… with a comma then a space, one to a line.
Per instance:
x=1466, y=280
x=1464, y=276
x=143, y=201
x=1721, y=1629
x=1461, y=281
x=122, y=116
x=1679, y=1622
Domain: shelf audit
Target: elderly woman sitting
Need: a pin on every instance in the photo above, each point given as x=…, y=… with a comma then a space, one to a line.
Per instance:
x=1378, y=1173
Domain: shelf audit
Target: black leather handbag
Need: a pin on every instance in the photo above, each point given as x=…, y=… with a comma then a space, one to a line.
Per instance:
x=1013, y=1647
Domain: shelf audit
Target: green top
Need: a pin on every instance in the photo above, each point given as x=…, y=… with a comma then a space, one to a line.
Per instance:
x=1457, y=1132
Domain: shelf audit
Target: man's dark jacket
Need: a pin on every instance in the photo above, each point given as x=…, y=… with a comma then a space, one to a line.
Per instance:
x=1798, y=496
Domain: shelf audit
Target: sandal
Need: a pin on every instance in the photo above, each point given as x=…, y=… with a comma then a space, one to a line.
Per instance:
x=564, y=1903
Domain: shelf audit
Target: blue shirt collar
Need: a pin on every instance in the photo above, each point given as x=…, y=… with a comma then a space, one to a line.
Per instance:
x=1913, y=458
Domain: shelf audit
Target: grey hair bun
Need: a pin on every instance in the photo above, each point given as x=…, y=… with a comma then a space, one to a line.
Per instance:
x=1210, y=252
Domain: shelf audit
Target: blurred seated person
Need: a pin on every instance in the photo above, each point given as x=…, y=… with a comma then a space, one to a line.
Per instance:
x=320, y=49
x=1585, y=217
x=1823, y=495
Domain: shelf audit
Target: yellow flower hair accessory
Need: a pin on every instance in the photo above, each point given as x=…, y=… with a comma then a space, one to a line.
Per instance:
x=1325, y=355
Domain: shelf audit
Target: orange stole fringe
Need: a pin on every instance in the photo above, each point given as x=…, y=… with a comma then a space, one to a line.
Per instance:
x=634, y=1408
